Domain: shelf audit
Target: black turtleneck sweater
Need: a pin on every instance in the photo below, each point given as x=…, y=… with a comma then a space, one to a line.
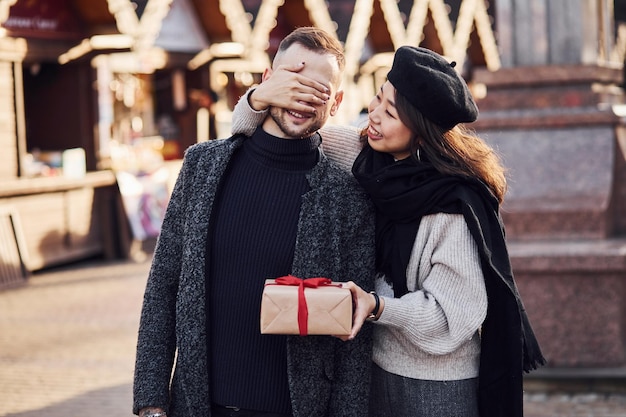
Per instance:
x=252, y=238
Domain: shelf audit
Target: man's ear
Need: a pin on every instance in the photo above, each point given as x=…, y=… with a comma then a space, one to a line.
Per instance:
x=338, y=99
x=266, y=74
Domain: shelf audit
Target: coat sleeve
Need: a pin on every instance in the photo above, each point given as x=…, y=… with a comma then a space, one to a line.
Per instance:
x=156, y=344
x=330, y=377
x=351, y=382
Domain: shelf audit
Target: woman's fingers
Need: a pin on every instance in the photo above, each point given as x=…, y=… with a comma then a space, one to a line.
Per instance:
x=308, y=85
x=286, y=88
x=361, y=302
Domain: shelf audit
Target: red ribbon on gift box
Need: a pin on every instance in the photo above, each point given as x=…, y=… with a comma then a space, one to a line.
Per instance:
x=303, y=311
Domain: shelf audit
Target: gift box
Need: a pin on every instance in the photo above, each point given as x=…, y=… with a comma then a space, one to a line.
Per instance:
x=313, y=306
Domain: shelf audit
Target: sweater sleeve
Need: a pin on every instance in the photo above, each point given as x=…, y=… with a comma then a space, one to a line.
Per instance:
x=245, y=119
x=340, y=143
x=447, y=302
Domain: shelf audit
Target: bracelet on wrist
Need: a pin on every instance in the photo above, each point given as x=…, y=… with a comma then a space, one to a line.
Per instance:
x=374, y=314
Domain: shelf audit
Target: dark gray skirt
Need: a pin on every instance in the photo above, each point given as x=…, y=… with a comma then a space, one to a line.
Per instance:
x=397, y=396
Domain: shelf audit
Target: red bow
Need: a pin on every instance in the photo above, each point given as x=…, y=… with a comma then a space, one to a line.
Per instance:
x=303, y=311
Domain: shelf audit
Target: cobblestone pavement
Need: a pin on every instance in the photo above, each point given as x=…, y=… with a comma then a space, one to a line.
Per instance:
x=67, y=342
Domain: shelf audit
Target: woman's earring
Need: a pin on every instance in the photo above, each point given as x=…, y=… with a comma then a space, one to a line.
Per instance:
x=418, y=155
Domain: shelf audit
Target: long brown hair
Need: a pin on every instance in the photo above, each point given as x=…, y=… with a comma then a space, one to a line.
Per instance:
x=457, y=151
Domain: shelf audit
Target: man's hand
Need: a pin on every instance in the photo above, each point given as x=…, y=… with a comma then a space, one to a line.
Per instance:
x=152, y=411
x=284, y=87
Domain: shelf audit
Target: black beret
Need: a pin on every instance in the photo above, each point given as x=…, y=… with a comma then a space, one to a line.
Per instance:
x=432, y=85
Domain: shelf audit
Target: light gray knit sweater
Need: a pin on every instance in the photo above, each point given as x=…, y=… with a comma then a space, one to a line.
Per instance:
x=431, y=333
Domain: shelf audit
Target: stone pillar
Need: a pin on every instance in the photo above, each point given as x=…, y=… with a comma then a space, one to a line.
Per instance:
x=554, y=112
x=553, y=32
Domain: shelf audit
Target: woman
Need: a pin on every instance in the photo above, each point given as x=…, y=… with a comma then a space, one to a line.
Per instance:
x=451, y=335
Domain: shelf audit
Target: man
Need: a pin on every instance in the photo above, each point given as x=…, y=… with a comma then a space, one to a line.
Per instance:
x=244, y=210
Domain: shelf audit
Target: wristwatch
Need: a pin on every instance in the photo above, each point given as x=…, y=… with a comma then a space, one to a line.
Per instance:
x=374, y=313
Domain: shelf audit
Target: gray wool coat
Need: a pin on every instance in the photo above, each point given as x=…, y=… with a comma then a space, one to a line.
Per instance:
x=327, y=377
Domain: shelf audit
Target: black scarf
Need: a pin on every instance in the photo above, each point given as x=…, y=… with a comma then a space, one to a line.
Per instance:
x=405, y=191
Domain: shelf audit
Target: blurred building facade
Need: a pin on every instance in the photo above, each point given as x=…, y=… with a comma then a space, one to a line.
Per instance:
x=94, y=89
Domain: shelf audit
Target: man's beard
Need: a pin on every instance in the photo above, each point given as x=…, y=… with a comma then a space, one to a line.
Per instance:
x=279, y=115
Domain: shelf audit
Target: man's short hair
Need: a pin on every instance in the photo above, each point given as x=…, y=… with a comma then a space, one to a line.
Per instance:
x=316, y=40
